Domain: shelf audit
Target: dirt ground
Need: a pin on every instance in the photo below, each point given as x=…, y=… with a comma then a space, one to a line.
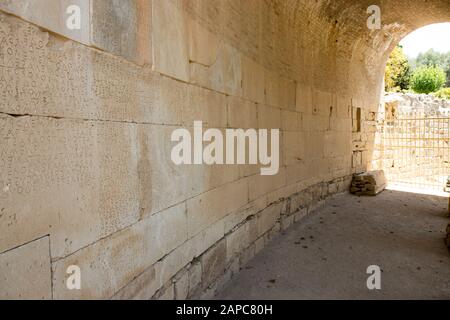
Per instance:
x=326, y=255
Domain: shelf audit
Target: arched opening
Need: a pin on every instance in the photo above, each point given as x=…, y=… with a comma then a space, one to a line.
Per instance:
x=412, y=142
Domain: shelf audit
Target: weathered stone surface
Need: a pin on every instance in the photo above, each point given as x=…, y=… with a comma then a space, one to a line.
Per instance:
x=215, y=204
x=63, y=181
x=168, y=294
x=143, y=287
x=286, y=222
x=111, y=263
x=214, y=262
x=300, y=214
x=223, y=74
x=86, y=132
x=368, y=183
x=206, y=106
x=253, y=82
x=38, y=79
x=25, y=272
x=269, y=117
x=203, y=44
x=195, y=276
x=288, y=93
x=303, y=100
x=181, y=286
x=241, y=113
x=236, y=218
x=241, y=238
x=268, y=217
x=146, y=284
x=170, y=39
x=52, y=15
x=261, y=185
x=272, y=89
x=290, y=121
x=163, y=183
x=123, y=27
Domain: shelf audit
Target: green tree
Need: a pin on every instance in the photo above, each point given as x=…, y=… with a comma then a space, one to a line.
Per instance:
x=398, y=71
x=432, y=58
x=427, y=79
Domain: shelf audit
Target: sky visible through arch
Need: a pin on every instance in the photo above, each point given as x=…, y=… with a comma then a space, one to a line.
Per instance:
x=434, y=36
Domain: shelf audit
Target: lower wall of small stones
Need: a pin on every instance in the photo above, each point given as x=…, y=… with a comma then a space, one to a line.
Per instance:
x=206, y=274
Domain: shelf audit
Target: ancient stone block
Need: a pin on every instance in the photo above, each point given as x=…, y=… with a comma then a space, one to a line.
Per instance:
x=214, y=262
x=247, y=255
x=236, y=218
x=300, y=214
x=170, y=39
x=447, y=239
x=161, y=100
x=195, y=276
x=368, y=183
x=272, y=89
x=304, y=100
x=322, y=103
x=143, y=287
x=269, y=117
x=181, y=286
x=336, y=144
x=260, y=185
x=167, y=294
x=163, y=183
x=42, y=67
x=53, y=15
x=25, y=272
x=292, y=149
x=290, y=121
x=296, y=172
x=286, y=222
x=63, y=181
x=268, y=218
x=203, y=44
x=259, y=245
x=287, y=93
x=184, y=254
x=223, y=74
x=281, y=194
x=253, y=82
x=343, y=107
x=216, y=204
x=206, y=106
x=241, y=238
x=123, y=27
x=112, y=262
x=241, y=113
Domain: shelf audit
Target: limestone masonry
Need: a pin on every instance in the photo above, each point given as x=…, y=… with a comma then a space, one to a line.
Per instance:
x=86, y=118
x=369, y=183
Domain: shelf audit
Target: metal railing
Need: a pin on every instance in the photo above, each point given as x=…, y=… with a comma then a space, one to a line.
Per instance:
x=416, y=150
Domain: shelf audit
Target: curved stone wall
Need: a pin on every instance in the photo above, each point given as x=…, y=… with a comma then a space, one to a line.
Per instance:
x=86, y=116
